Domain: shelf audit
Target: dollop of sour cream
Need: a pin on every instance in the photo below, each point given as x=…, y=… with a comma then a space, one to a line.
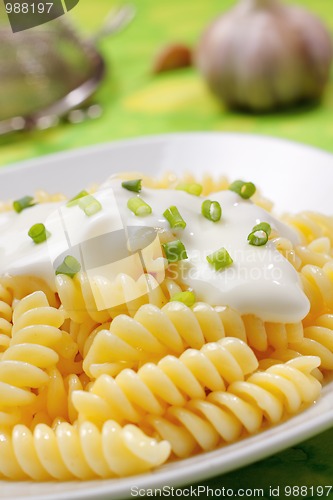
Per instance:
x=260, y=281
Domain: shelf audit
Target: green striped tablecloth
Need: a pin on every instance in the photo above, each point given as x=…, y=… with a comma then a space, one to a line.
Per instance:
x=136, y=103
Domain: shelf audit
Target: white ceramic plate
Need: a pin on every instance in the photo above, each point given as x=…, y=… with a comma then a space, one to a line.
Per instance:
x=296, y=177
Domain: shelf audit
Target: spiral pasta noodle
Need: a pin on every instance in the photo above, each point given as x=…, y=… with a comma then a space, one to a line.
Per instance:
x=82, y=452
x=6, y=313
x=318, y=253
x=27, y=366
x=172, y=381
x=318, y=341
x=318, y=286
x=21, y=286
x=34, y=334
x=154, y=333
x=311, y=226
x=224, y=415
x=79, y=303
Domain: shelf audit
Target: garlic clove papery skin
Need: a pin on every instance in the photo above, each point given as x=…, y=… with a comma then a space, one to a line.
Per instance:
x=316, y=47
x=262, y=55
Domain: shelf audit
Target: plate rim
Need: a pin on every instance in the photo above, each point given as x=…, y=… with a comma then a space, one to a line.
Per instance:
x=153, y=138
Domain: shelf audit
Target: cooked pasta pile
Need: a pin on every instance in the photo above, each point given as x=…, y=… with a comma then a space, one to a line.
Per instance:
x=88, y=393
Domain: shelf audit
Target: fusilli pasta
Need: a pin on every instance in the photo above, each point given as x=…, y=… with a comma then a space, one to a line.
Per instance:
x=6, y=313
x=154, y=333
x=224, y=415
x=34, y=335
x=91, y=392
x=79, y=303
x=172, y=381
x=81, y=452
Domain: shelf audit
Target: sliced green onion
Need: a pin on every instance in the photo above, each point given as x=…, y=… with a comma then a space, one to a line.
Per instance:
x=38, y=233
x=190, y=187
x=174, y=218
x=23, y=203
x=257, y=238
x=187, y=298
x=259, y=235
x=211, y=210
x=175, y=251
x=220, y=259
x=89, y=205
x=138, y=206
x=133, y=185
x=69, y=266
x=263, y=226
x=74, y=201
x=244, y=189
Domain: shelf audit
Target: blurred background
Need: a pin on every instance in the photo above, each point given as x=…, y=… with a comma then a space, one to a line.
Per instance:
x=135, y=97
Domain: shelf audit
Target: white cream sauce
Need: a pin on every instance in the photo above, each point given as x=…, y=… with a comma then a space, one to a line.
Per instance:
x=260, y=281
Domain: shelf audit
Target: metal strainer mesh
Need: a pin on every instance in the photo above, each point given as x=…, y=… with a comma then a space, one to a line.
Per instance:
x=40, y=67
x=47, y=70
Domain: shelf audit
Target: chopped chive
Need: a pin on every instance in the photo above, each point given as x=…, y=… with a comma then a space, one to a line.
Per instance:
x=187, y=298
x=38, y=233
x=174, y=251
x=190, y=187
x=244, y=189
x=76, y=199
x=89, y=205
x=263, y=226
x=257, y=238
x=23, y=203
x=211, y=210
x=174, y=218
x=220, y=259
x=69, y=266
x=138, y=206
x=133, y=185
x=259, y=235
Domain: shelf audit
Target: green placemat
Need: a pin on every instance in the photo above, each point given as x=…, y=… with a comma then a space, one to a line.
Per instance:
x=303, y=471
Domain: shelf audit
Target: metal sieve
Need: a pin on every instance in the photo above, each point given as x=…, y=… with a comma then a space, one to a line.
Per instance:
x=48, y=70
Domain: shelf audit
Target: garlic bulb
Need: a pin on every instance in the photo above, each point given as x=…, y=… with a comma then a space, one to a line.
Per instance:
x=262, y=55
